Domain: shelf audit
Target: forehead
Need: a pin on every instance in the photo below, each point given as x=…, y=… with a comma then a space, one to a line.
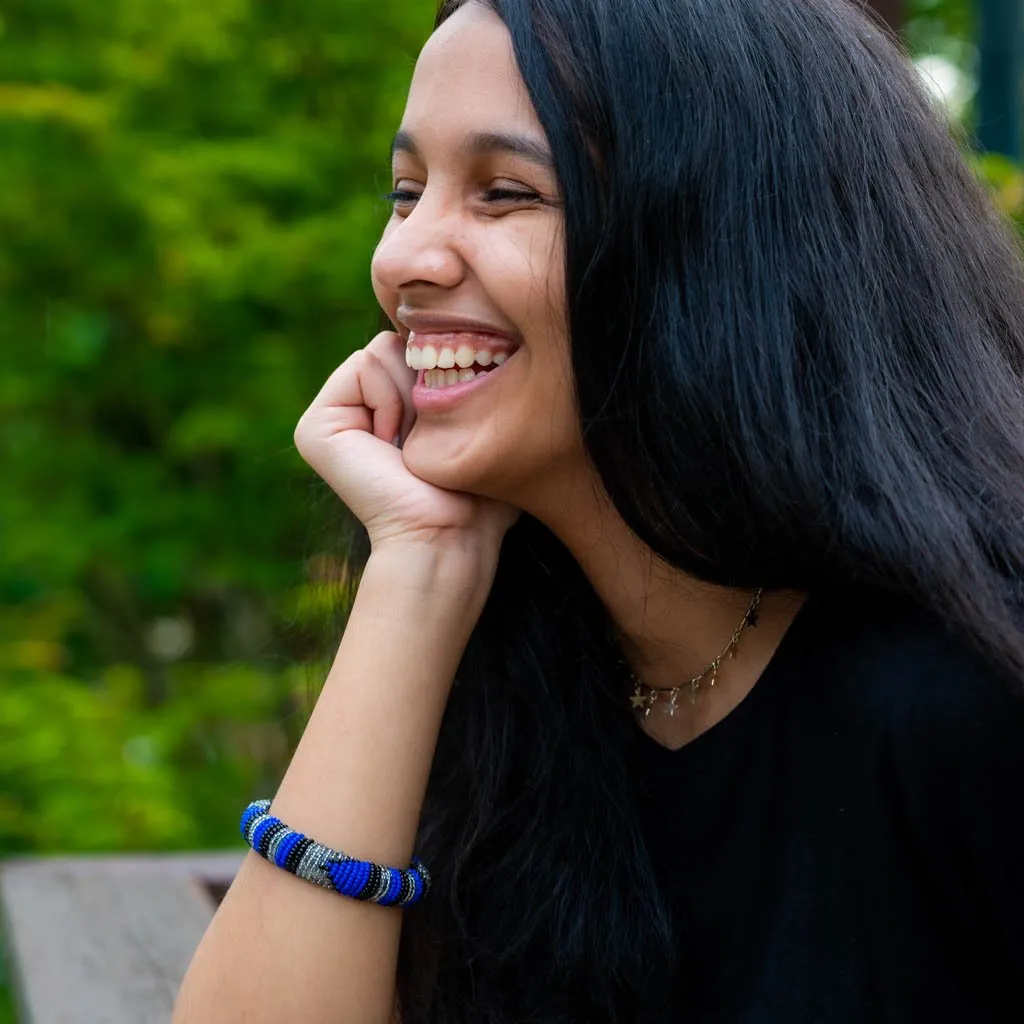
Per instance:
x=466, y=78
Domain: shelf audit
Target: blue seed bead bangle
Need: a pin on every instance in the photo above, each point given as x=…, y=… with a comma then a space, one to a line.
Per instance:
x=361, y=880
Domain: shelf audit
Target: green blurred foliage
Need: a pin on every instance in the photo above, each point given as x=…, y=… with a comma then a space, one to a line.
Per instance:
x=1006, y=183
x=189, y=197
x=7, y=1015
x=948, y=27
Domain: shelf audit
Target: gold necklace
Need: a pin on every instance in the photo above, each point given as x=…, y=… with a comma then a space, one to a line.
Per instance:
x=645, y=697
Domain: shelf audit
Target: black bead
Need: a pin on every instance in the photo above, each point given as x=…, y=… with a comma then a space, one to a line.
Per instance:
x=376, y=874
x=298, y=852
x=269, y=835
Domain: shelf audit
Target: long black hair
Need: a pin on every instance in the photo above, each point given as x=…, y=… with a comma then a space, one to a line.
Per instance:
x=797, y=330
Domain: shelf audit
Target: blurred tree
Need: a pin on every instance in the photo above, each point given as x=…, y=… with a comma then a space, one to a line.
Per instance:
x=187, y=211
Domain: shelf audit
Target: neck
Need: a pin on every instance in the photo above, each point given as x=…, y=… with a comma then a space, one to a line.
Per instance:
x=671, y=625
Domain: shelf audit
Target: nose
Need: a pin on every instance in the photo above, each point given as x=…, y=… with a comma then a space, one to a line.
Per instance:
x=420, y=249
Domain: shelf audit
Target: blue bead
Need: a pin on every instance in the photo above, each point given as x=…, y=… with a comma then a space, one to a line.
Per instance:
x=257, y=807
x=335, y=872
x=358, y=875
x=342, y=877
x=247, y=815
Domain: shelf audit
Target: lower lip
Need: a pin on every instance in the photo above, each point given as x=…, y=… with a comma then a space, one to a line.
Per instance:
x=426, y=399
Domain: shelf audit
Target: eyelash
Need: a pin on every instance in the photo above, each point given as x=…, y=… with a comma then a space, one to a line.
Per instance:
x=493, y=195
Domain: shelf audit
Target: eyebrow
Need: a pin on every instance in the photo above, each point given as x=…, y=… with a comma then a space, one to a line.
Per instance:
x=483, y=143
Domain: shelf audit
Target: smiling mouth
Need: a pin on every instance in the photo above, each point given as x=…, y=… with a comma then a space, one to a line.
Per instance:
x=455, y=357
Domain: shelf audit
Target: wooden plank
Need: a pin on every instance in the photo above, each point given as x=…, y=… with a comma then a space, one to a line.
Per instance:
x=106, y=940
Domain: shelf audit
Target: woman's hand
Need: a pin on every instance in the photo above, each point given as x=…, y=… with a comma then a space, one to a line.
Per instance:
x=347, y=435
x=375, y=724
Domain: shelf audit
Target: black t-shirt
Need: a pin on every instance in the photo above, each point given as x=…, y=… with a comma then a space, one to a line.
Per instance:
x=848, y=844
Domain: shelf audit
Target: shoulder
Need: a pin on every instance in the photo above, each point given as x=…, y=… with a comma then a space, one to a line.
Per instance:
x=893, y=669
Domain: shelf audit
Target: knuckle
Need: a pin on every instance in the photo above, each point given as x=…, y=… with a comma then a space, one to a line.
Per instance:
x=370, y=361
x=303, y=429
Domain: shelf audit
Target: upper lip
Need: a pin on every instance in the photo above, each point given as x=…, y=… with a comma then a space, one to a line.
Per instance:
x=425, y=320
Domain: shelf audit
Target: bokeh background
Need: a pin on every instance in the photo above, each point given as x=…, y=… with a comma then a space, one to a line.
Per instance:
x=189, y=197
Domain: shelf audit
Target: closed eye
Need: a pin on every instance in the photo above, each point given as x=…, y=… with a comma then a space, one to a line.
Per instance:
x=401, y=196
x=493, y=195
x=509, y=195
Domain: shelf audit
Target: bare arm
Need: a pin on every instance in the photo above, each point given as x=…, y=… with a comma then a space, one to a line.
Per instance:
x=278, y=947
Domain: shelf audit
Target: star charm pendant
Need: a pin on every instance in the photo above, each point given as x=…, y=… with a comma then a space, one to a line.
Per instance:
x=640, y=701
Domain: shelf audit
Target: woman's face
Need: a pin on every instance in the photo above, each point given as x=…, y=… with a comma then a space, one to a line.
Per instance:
x=470, y=270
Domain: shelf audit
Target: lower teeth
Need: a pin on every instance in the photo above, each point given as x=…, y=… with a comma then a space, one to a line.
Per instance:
x=445, y=378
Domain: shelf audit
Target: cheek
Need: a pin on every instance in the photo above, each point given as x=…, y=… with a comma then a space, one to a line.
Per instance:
x=544, y=252
x=534, y=426
x=523, y=272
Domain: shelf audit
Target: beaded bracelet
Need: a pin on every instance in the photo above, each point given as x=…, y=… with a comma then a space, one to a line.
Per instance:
x=360, y=879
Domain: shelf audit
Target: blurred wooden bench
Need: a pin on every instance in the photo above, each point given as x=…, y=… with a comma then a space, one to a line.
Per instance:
x=106, y=940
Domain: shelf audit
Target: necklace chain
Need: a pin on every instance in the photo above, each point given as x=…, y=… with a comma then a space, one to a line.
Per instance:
x=645, y=697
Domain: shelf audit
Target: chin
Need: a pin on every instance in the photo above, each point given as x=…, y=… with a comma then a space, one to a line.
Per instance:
x=463, y=471
x=432, y=463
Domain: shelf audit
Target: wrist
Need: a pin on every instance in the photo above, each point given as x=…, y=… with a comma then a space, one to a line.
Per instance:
x=456, y=572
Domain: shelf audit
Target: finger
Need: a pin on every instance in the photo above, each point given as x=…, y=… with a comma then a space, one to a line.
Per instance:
x=359, y=395
x=390, y=349
x=382, y=397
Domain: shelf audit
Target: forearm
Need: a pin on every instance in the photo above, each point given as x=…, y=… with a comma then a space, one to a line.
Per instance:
x=279, y=945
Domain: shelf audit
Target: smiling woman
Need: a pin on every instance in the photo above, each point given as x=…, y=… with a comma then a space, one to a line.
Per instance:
x=683, y=677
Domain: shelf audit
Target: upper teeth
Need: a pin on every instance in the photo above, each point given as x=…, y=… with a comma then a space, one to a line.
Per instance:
x=428, y=357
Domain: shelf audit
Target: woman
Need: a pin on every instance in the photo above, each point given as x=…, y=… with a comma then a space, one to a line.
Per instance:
x=706, y=491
